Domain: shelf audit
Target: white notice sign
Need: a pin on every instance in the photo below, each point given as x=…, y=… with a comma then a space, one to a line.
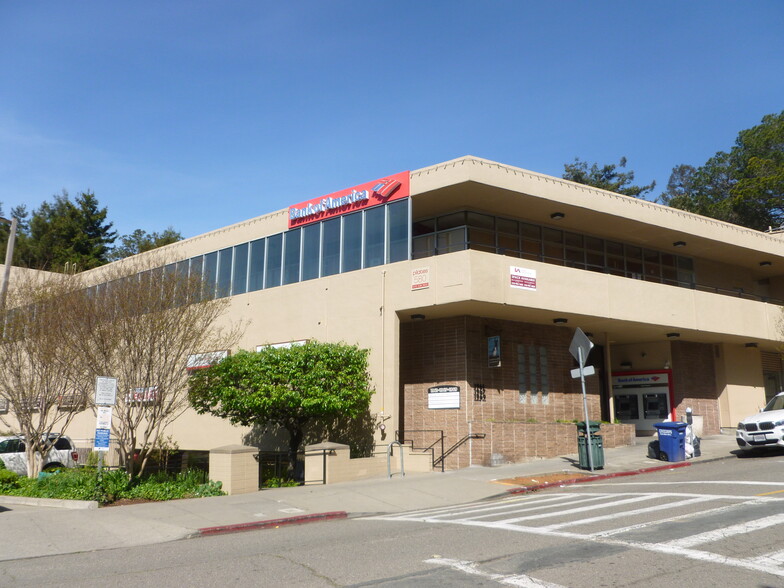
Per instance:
x=522, y=278
x=439, y=397
x=103, y=417
x=105, y=390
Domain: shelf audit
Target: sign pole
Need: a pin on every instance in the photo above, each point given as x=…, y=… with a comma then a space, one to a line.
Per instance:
x=588, y=446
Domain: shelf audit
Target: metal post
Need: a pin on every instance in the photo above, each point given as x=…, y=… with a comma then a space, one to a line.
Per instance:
x=389, y=455
x=9, y=257
x=588, y=447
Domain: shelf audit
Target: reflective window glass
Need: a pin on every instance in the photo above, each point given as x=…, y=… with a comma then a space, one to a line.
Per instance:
x=256, y=265
x=398, y=230
x=239, y=282
x=330, y=247
x=293, y=242
x=224, y=271
x=210, y=273
x=274, y=261
x=352, y=242
x=311, y=238
x=374, y=236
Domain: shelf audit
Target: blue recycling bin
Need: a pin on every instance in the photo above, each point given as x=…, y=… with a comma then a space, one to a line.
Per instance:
x=672, y=440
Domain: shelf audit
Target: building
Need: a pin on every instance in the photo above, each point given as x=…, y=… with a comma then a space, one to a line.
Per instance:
x=467, y=280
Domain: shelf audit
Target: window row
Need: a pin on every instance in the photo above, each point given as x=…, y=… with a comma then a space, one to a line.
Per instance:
x=472, y=230
x=350, y=242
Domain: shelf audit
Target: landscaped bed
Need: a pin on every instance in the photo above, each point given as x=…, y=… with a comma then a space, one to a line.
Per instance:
x=109, y=486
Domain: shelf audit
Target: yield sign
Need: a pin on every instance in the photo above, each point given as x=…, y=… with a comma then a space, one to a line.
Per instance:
x=580, y=347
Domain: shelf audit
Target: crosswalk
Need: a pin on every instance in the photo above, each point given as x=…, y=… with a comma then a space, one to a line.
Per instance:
x=652, y=521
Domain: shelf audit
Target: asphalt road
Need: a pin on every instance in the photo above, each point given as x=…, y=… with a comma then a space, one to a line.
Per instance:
x=718, y=524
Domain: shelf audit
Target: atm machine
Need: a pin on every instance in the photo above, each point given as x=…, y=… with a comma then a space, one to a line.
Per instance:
x=642, y=398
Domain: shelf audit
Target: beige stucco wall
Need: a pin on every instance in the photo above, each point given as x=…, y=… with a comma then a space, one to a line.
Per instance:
x=740, y=380
x=365, y=307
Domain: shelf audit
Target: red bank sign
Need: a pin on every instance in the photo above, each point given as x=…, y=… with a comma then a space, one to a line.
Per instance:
x=350, y=200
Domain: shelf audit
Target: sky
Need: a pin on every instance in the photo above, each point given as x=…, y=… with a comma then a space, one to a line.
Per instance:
x=201, y=114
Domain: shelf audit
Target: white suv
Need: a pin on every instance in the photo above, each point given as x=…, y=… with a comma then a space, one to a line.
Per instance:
x=764, y=429
x=62, y=455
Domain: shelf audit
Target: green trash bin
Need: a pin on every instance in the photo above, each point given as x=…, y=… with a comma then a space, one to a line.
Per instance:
x=594, y=426
x=597, y=446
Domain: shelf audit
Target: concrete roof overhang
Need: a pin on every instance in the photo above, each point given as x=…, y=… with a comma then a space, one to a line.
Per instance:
x=471, y=183
x=617, y=331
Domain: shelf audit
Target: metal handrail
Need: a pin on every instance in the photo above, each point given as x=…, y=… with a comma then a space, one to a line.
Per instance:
x=389, y=456
x=430, y=447
x=458, y=444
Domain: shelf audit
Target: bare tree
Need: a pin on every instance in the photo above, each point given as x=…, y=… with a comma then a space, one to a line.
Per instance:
x=41, y=385
x=140, y=326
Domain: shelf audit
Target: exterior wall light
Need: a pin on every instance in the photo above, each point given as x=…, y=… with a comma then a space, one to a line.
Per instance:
x=752, y=345
x=673, y=335
x=679, y=244
x=626, y=364
x=557, y=215
x=766, y=263
x=417, y=317
x=560, y=321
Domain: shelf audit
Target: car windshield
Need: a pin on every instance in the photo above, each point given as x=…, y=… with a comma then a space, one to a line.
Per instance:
x=776, y=403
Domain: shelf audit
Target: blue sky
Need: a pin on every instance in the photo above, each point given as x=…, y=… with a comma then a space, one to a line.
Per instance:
x=201, y=114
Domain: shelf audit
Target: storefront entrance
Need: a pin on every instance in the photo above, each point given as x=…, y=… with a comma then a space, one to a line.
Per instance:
x=642, y=398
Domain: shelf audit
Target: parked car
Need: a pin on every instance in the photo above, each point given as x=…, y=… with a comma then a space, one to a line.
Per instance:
x=764, y=429
x=62, y=455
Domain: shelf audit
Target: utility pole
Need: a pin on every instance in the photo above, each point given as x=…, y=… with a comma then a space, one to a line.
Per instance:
x=9, y=257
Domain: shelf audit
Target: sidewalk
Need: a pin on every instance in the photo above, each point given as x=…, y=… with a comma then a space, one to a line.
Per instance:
x=41, y=530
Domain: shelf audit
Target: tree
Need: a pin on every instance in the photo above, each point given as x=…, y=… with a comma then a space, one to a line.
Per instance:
x=607, y=177
x=140, y=241
x=286, y=387
x=744, y=186
x=67, y=233
x=41, y=383
x=140, y=326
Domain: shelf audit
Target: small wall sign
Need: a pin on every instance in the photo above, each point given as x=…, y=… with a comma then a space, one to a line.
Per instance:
x=440, y=397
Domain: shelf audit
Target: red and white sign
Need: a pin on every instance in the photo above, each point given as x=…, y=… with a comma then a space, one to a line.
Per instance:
x=198, y=361
x=522, y=278
x=420, y=278
x=359, y=197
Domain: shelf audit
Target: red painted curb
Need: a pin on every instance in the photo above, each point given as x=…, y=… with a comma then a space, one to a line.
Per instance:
x=527, y=489
x=252, y=526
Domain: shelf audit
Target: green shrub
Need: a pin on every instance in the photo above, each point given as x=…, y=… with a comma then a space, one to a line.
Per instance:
x=280, y=483
x=113, y=484
x=2, y=465
x=8, y=479
x=106, y=486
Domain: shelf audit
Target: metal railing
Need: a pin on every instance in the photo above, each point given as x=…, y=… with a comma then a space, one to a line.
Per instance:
x=403, y=437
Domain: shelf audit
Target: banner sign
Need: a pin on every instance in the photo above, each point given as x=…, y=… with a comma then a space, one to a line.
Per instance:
x=350, y=200
x=494, y=351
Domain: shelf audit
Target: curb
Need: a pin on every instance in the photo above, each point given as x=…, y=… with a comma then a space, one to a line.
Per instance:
x=271, y=524
x=528, y=489
x=50, y=502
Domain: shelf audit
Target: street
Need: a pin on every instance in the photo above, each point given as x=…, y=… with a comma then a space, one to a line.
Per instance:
x=715, y=524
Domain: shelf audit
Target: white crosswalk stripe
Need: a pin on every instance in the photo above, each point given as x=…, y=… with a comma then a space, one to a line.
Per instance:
x=560, y=514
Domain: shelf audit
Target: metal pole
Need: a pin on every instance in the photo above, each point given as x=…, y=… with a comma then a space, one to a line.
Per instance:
x=588, y=447
x=9, y=256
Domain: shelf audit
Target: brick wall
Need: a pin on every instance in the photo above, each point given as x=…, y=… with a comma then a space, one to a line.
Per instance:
x=453, y=351
x=694, y=383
